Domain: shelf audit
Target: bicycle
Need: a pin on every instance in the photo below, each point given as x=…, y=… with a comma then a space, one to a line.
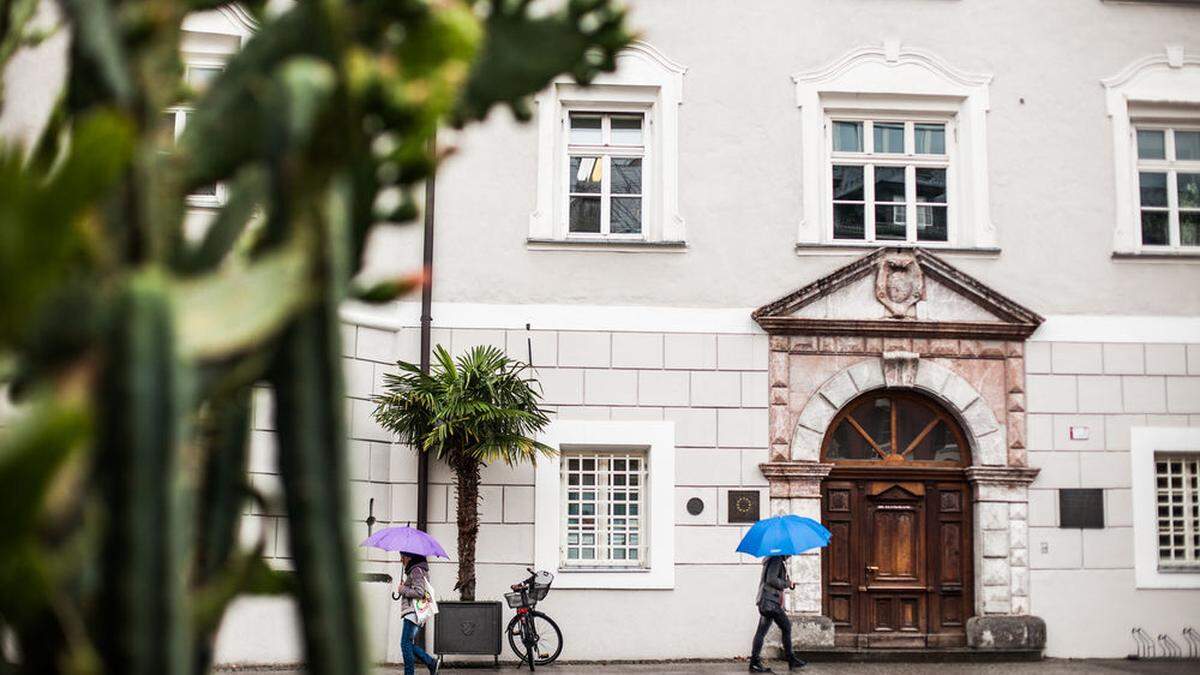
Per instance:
x=540, y=639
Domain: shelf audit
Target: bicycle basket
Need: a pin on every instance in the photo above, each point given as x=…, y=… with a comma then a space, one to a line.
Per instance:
x=514, y=599
x=541, y=585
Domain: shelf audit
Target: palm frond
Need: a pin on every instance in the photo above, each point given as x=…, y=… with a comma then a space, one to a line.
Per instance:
x=481, y=405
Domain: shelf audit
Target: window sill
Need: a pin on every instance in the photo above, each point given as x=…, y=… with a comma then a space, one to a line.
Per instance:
x=856, y=248
x=595, y=570
x=622, y=245
x=1156, y=256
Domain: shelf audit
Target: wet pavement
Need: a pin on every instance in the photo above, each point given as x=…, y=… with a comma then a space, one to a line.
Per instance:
x=1046, y=667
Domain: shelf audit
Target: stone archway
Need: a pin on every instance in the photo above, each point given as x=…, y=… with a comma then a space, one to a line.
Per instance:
x=955, y=341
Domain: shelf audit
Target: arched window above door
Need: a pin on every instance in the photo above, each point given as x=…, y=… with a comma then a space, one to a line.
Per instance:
x=895, y=428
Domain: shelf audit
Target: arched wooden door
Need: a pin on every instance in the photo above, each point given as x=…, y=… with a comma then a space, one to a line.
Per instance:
x=898, y=570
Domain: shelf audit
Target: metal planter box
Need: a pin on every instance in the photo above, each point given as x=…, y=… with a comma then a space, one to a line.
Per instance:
x=467, y=628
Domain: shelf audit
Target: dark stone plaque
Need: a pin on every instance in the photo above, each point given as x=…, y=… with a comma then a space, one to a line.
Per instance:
x=743, y=506
x=1081, y=507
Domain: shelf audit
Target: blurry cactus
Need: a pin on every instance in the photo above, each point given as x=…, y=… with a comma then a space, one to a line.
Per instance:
x=133, y=349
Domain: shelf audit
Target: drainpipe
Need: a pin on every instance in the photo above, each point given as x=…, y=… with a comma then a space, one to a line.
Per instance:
x=426, y=329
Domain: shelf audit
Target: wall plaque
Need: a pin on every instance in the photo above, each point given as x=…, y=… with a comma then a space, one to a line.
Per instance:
x=743, y=506
x=1081, y=507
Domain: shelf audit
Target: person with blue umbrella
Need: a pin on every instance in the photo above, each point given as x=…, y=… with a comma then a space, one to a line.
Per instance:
x=775, y=540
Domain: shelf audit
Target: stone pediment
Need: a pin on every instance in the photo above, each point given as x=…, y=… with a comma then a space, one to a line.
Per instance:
x=898, y=291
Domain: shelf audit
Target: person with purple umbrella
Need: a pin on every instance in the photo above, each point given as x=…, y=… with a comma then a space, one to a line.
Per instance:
x=413, y=545
x=412, y=588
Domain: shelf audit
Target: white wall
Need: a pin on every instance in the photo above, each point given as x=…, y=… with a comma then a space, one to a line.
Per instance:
x=1048, y=141
x=1082, y=580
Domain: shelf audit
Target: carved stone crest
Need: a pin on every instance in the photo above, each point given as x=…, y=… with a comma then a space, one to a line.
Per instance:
x=900, y=285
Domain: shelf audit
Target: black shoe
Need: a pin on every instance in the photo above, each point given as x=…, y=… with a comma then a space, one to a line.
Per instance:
x=756, y=666
x=435, y=666
x=796, y=662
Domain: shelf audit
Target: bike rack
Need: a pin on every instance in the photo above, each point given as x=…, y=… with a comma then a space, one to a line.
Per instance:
x=1145, y=645
x=1164, y=646
x=1193, y=642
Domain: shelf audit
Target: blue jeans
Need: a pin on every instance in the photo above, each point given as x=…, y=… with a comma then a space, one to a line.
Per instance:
x=411, y=651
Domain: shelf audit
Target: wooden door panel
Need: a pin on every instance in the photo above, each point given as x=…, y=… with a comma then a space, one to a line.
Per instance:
x=950, y=554
x=895, y=543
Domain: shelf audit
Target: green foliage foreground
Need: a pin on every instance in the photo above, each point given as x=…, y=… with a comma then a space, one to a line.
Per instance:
x=134, y=349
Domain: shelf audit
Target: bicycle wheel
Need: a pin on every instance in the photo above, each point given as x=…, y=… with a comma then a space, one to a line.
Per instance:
x=547, y=639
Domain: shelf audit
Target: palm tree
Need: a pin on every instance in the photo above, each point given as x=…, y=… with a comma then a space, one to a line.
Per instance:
x=469, y=412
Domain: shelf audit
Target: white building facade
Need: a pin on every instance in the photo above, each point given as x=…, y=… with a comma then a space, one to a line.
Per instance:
x=927, y=271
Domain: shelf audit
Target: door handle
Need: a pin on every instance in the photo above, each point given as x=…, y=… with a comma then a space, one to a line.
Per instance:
x=871, y=569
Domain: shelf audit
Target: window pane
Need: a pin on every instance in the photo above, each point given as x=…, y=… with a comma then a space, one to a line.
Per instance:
x=1151, y=144
x=200, y=77
x=627, y=175
x=1154, y=228
x=847, y=137
x=1189, y=228
x=1187, y=145
x=847, y=183
x=1189, y=189
x=889, y=137
x=848, y=221
x=890, y=222
x=166, y=130
x=585, y=129
x=930, y=139
x=626, y=130
x=889, y=184
x=626, y=215
x=931, y=223
x=1153, y=188
x=875, y=418
x=585, y=217
x=847, y=443
x=931, y=185
x=586, y=174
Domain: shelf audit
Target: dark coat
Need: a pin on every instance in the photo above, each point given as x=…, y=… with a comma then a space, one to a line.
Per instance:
x=774, y=581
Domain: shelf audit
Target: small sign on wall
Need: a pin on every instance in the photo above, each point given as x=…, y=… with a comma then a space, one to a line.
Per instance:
x=1081, y=507
x=743, y=506
x=1079, y=433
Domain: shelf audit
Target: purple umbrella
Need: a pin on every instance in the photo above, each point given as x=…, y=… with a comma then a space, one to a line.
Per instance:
x=406, y=540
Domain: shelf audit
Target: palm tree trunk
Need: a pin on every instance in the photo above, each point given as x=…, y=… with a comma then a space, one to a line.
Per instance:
x=466, y=478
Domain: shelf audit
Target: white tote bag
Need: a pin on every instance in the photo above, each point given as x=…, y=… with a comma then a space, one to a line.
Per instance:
x=427, y=606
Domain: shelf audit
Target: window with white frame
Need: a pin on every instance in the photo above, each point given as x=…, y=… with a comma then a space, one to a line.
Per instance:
x=608, y=159
x=604, y=508
x=1168, y=163
x=605, y=155
x=889, y=179
x=604, y=504
x=198, y=77
x=894, y=145
x=1177, y=485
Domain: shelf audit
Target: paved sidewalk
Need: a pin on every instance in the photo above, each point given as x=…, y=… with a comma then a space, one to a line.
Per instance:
x=1047, y=667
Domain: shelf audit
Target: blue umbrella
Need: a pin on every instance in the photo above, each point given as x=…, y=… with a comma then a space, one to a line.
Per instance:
x=784, y=535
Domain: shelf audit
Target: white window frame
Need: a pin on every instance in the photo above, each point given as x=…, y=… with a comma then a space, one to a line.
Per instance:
x=657, y=439
x=1172, y=167
x=180, y=113
x=909, y=159
x=648, y=82
x=1160, y=89
x=904, y=84
x=1147, y=444
x=606, y=151
x=603, y=487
